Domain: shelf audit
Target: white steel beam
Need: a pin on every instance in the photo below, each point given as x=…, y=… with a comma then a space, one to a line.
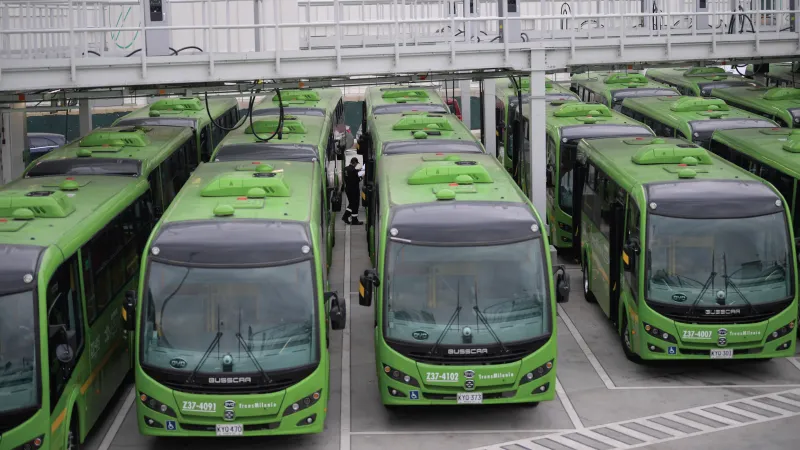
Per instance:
x=537, y=136
x=466, y=102
x=13, y=143
x=85, y=116
x=489, y=125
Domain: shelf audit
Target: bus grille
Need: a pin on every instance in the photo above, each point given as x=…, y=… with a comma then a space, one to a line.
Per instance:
x=513, y=355
x=761, y=313
x=276, y=386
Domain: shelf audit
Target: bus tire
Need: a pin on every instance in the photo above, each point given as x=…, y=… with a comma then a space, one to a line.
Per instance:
x=625, y=341
x=73, y=435
x=587, y=292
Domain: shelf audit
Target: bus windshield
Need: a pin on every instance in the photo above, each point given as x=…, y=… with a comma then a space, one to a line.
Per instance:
x=406, y=107
x=18, y=365
x=86, y=166
x=795, y=113
x=426, y=285
x=271, y=308
x=263, y=150
x=684, y=255
x=703, y=129
x=705, y=88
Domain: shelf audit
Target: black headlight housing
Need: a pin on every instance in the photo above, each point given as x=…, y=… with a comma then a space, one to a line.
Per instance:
x=400, y=376
x=156, y=405
x=303, y=403
x=33, y=444
x=658, y=333
x=536, y=373
x=781, y=332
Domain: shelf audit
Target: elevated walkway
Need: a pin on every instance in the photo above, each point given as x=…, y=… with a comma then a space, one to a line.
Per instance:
x=57, y=44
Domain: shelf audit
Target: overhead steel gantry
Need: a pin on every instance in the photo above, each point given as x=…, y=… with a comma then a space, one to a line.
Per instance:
x=84, y=49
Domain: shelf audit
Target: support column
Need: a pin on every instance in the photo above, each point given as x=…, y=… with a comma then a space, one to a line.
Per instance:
x=466, y=100
x=489, y=130
x=537, y=136
x=85, y=116
x=13, y=143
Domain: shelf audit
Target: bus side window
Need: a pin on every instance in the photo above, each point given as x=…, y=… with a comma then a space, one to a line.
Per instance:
x=157, y=191
x=590, y=203
x=65, y=323
x=206, y=144
x=323, y=242
x=607, y=190
x=631, y=236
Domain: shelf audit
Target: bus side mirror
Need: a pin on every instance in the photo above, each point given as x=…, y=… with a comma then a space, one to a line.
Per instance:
x=65, y=354
x=365, y=284
x=338, y=311
x=562, y=285
x=632, y=246
x=129, y=310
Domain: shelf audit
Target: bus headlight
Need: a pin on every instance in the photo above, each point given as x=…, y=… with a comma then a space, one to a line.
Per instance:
x=538, y=372
x=156, y=405
x=400, y=376
x=781, y=332
x=658, y=333
x=303, y=403
x=32, y=444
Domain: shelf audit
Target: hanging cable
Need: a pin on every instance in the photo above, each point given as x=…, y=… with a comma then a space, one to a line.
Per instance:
x=238, y=125
x=279, y=129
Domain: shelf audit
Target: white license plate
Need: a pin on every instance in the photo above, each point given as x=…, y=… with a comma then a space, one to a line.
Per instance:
x=469, y=397
x=230, y=430
x=722, y=354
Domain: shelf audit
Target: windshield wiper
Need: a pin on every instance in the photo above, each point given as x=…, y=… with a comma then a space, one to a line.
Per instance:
x=488, y=327
x=733, y=285
x=708, y=282
x=190, y=380
x=267, y=379
x=444, y=332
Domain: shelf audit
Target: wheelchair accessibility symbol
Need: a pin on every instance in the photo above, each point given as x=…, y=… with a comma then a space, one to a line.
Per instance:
x=171, y=426
x=413, y=395
x=672, y=350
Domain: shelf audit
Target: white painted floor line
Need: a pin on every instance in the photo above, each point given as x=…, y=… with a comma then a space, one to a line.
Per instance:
x=668, y=426
x=585, y=348
x=720, y=386
x=795, y=361
x=345, y=401
x=118, y=420
x=440, y=432
x=573, y=415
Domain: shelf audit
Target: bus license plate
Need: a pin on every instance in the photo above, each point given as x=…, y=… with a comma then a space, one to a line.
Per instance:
x=230, y=430
x=722, y=354
x=469, y=397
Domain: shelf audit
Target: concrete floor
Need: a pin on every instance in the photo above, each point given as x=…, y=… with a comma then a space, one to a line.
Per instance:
x=597, y=386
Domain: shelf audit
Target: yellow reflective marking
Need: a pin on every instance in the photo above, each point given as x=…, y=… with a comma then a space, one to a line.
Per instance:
x=59, y=420
x=625, y=258
x=363, y=195
x=361, y=289
x=100, y=367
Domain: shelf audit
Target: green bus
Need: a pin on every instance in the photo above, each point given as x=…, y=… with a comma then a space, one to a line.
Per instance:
x=304, y=138
x=71, y=233
x=566, y=124
x=508, y=98
x=688, y=255
x=691, y=118
x=783, y=74
x=409, y=133
x=779, y=104
x=698, y=81
x=610, y=88
x=189, y=112
x=164, y=155
x=446, y=224
x=247, y=236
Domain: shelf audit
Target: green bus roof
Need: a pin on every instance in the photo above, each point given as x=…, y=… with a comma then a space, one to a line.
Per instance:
x=266, y=190
x=192, y=108
x=573, y=113
x=772, y=102
x=633, y=162
x=677, y=112
x=301, y=129
x=62, y=211
x=416, y=179
x=323, y=100
x=150, y=145
x=693, y=77
x=608, y=83
x=776, y=147
x=504, y=89
x=408, y=96
x=415, y=126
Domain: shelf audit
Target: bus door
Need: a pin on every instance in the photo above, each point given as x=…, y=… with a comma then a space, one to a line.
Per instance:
x=578, y=178
x=615, y=259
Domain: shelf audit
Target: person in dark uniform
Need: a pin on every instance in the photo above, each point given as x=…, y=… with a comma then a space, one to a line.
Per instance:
x=352, y=179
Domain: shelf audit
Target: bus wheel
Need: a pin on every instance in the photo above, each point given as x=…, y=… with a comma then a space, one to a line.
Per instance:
x=627, y=345
x=73, y=435
x=587, y=293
